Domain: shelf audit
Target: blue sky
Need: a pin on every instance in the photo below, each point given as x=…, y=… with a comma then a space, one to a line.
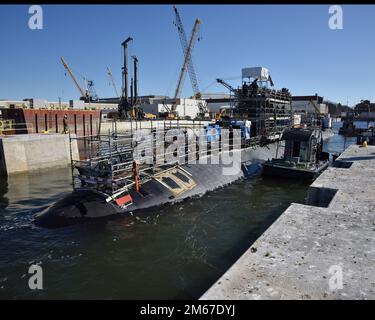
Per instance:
x=294, y=42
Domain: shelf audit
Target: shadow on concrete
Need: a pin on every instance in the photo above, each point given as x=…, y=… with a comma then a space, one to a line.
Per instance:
x=359, y=158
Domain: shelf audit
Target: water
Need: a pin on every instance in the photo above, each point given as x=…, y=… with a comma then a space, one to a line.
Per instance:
x=166, y=253
x=364, y=124
x=338, y=143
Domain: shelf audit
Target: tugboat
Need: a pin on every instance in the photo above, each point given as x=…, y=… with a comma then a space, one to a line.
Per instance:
x=303, y=157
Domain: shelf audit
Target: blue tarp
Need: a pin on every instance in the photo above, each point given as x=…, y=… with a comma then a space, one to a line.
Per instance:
x=213, y=132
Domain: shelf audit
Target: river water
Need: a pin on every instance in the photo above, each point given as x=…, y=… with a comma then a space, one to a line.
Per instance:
x=173, y=252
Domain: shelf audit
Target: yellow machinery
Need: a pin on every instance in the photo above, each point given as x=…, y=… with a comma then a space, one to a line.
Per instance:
x=149, y=116
x=6, y=125
x=316, y=108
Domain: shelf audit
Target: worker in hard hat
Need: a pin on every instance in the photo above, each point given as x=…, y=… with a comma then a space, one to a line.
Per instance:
x=65, y=123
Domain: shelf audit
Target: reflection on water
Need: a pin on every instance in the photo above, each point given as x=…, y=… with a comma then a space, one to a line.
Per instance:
x=169, y=252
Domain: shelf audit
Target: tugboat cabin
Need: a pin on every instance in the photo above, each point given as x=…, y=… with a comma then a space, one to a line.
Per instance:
x=302, y=145
x=303, y=157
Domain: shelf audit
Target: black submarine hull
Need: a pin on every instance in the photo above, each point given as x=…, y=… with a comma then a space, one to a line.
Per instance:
x=85, y=204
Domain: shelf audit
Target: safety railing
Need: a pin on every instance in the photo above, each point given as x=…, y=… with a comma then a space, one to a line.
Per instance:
x=107, y=161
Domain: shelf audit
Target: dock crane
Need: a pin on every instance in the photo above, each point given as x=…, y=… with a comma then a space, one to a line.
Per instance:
x=84, y=93
x=187, y=49
x=88, y=94
x=317, y=110
x=110, y=75
x=225, y=84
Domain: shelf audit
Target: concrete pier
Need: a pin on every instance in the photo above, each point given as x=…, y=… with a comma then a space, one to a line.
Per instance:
x=323, y=250
x=29, y=152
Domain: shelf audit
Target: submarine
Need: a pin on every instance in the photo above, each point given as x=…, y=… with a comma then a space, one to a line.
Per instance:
x=108, y=179
x=174, y=183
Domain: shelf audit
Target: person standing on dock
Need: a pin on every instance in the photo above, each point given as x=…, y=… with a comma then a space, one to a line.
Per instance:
x=65, y=123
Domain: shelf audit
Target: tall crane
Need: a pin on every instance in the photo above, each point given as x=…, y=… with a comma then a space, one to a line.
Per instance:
x=87, y=94
x=110, y=75
x=84, y=93
x=187, y=49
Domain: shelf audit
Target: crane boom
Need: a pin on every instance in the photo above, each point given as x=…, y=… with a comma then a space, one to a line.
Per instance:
x=317, y=110
x=187, y=51
x=109, y=72
x=83, y=92
x=226, y=85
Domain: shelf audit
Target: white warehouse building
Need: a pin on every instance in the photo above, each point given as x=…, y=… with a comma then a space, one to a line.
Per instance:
x=185, y=107
x=305, y=104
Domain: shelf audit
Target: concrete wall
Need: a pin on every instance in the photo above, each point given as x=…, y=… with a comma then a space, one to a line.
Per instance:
x=28, y=152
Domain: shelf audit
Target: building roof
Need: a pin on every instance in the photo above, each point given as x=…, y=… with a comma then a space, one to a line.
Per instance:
x=308, y=98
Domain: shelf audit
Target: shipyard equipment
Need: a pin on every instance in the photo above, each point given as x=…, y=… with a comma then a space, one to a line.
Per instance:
x=91, y=93
x=110, y=75
x=225, y=84
x=187, y=65
x=87, y=94
x=135, y=81
x=269, y=110
x=124, y=106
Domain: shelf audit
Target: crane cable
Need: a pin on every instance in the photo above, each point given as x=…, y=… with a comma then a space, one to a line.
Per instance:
x=225, y=79
x=81, y=76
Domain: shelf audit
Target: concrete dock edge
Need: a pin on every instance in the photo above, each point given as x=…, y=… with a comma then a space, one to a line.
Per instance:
x=30, y=152
x=324, y=250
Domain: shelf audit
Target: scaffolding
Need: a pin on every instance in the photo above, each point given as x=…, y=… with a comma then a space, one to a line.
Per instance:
x=111, y=163
x=269, y=110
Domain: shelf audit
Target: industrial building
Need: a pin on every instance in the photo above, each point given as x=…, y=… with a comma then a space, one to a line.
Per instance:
x=9, y=104
x=186, y=108
x=305, y=104
x=365, y=110
x=35, y=103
